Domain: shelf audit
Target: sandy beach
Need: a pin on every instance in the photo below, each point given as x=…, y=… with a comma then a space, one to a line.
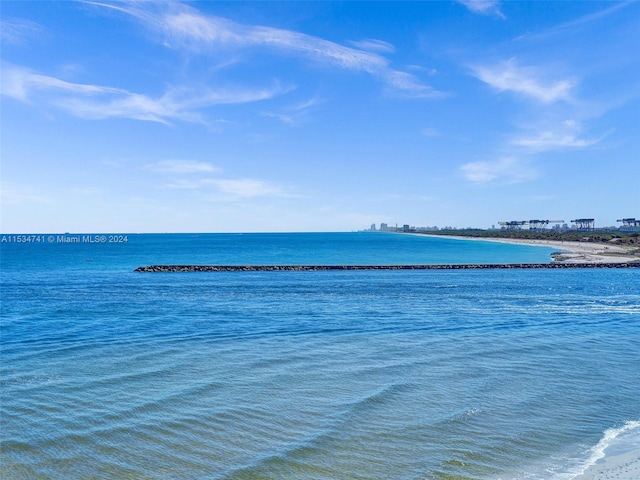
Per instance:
x=617, y=467
x=573, y=252
x=582, y=252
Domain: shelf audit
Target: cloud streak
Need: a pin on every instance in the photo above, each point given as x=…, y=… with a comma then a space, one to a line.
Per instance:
x=373, y=45
x=232, y=189
x=517, y=168
x=525, y=81
x=182, y=26
x=504, y=170
x=294, y=114
x=550, y=140
x=101, y=102
x=483, y=7
x=182, y=166
x=248, y=188
x=187, y=175
x=18, y=32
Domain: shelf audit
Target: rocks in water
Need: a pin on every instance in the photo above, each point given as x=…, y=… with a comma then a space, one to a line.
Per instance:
x=299, y=268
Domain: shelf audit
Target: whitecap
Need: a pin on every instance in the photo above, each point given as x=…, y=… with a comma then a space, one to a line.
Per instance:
x=615, y=441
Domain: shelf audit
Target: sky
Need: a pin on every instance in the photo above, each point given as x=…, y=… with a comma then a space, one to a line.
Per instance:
x=266, y=116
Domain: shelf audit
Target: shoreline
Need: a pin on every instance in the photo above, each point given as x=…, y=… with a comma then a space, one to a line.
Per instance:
x=570, y=252
x=625, y=466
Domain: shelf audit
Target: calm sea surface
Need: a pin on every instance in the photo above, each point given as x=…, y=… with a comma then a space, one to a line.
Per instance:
x=497, y=374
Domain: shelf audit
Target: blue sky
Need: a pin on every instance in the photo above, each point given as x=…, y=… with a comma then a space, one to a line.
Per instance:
x=317, y=116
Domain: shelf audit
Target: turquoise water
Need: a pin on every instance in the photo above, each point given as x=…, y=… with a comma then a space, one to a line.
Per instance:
x=132, y=250
x=514, y=374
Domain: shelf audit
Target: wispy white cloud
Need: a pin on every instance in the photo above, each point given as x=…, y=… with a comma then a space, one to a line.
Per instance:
x=18, y=31
x=483, y=7
x=373, y=45
x=294, y=114
x=187, y=183
x=100, y=102
x=519, y=166
x=182, y=26
x=527, y=81
x=231, y=189
x=182, y=166
x=405, y=85
x=21, y=83
x=562, y=136
x=580, y=22
x=248, y=187
x=188, y=175
x=421, y=68
x=504, y=170
x=190, y=28
x=283, y=117
x=549, y=140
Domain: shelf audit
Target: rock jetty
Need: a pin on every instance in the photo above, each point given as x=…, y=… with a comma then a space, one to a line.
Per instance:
x=304, y=268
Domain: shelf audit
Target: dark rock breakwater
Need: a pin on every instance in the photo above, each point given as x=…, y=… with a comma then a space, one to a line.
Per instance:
x=300, y=268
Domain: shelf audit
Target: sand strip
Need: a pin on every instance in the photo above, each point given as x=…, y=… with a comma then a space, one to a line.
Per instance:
x=571, y=252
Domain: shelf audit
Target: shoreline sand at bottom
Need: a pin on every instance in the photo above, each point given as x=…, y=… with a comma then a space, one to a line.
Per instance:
x=625, y=466
x=570, y=252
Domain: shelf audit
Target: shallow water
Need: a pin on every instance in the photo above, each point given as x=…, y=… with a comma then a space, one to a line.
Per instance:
x=108, y=373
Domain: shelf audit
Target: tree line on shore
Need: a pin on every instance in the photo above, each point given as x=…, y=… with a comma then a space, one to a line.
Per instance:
x=621, y=238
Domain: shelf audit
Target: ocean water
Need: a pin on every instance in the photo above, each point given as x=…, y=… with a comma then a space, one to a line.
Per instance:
x=497, y=374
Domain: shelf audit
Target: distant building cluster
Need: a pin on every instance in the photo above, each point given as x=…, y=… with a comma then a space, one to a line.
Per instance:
x=578, y=225
x=629, y=225
x=404, y=228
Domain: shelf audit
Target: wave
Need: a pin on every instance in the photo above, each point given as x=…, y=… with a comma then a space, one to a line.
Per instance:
x=617, y=440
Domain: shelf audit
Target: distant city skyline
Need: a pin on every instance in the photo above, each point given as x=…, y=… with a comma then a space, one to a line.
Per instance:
x=316, y=116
